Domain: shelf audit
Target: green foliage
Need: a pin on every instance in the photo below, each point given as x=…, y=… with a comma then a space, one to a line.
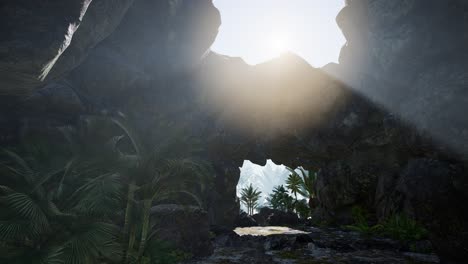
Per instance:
x=92, y=202
x=361, y=222
x=307, y=181
x=293, y=184
x=296, y=183
x=398, y=226
x=280, y=199
x=302, y=209
x=157, y=172
x=249, y=197
x=304, y=184
x=55, y=216
x=401, y=227
x=360, y=215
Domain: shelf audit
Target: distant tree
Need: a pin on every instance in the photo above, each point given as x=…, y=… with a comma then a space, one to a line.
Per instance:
x=302, y=208
x=280, y=199
x=307, y=185
x=249, y=197
x=294, y=185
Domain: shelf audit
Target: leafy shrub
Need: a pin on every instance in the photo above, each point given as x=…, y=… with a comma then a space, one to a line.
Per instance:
x=359, y=214
x=91, y=202
x=398, y=226
x=401, y=227
x=302, y=209
x=361, y=223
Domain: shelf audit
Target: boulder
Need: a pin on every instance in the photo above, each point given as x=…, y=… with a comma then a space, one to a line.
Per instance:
x=280, y=218
x=155, y=41
x=55, y=99
x=35, y=35
x=434, y=192
x=245, y=220
x=184, y=227
x=273, y=217
x=259, y=219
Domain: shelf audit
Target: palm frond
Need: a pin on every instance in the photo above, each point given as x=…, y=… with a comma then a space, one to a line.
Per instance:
x=53, y=255
x=98, y=196
x=23, y=164
x=6, y=190
x=66, y=171
x=15, y=230
x=95, y=239
x=26, y=207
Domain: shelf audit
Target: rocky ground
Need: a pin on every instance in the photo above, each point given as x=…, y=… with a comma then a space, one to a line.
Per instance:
x=313, y=245
x=385, y=128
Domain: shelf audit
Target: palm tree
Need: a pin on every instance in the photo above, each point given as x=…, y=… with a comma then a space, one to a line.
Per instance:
x=280, y=199
x=250, y=197
x=150, y=173
x=294, y=184
x=155, y=174
x=307, y=184
x=67, y=213
x=58, y=215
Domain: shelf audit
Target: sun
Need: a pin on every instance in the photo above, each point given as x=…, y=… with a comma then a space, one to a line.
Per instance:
x=278, y=43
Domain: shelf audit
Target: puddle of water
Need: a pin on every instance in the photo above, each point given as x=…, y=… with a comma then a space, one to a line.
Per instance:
x=267, y=230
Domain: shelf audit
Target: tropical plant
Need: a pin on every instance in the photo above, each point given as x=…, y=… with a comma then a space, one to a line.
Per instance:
x=155, y=173
x=59, y=215
x=293, y=184
x=361, y=222
x=249, y=197
x=280, y=199
x=397, y=226
x=302, y=209
x=401, y=227
x=307, y=184
x=66, y=210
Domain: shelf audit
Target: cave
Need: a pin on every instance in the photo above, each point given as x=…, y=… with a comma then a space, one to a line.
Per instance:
x=103, y=103
x=264, y=178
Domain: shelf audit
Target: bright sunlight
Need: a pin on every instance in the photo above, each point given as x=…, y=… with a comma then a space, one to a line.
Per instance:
x=260, y=30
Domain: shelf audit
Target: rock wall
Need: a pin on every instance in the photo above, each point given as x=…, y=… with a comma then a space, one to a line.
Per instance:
x=35, y=36
x=183, y=227
x=386, y=130
x=409, y=57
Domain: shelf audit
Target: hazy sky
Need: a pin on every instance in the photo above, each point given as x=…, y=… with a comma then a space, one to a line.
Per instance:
x=258, y=30
x=264, y=178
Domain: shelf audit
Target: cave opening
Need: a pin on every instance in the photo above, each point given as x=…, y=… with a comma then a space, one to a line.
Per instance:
x=264, y=178
x=123, y=127
x=271, y=179
x=258, y=31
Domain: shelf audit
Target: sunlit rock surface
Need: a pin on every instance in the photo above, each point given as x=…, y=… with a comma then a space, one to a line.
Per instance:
x=385, y=128
x=266, y=231
x=415, y=69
